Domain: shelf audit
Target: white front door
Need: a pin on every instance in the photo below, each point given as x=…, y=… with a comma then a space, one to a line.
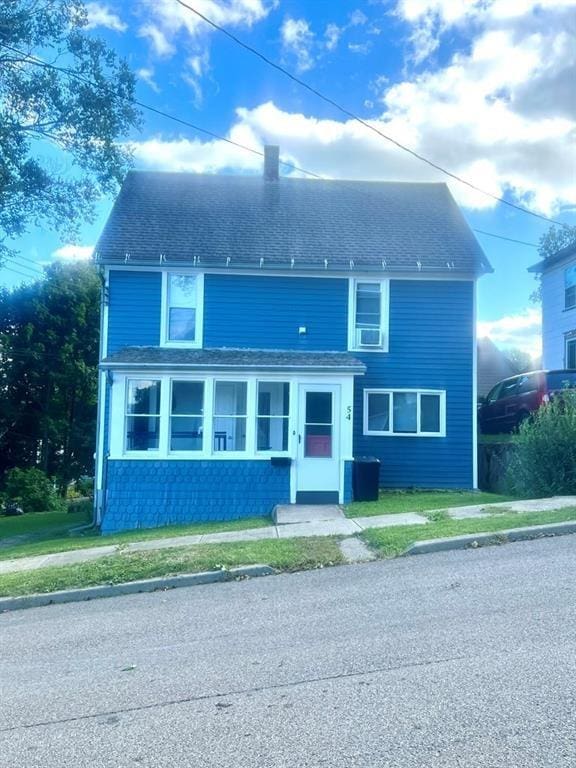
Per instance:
x=318, y=459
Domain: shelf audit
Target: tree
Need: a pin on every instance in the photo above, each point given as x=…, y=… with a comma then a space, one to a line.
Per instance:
x=549, y=244
x=49, y=333
x=43, y=107
x=521, y=361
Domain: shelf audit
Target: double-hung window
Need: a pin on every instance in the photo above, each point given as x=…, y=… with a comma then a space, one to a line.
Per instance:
x=571, y=352
x=368, y=325
x=405, y=412
x=230, y=415
x=272, y=416
x=181, y=309
x=187, y=416
x=142, y=415
x=570, y=287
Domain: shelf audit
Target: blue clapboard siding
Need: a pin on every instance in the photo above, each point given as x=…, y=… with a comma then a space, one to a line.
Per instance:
x=265, y=312
x=134, y=310
x=431, y=347
x=148, y=494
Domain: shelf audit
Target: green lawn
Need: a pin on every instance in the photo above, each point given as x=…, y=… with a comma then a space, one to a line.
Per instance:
x=50, y=532
x=391, y=542
x=395, y=502
x=282, y=554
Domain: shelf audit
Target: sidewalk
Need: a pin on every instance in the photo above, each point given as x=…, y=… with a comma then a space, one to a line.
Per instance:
x=304, y=522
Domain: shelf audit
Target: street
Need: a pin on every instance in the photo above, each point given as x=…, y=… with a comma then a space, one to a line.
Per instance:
x=457, y=659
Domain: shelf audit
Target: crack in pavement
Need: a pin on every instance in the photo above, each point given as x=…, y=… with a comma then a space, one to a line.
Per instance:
x=238, y=692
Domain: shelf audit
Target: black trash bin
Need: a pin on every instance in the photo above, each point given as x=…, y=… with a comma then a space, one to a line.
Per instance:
x=365, y=478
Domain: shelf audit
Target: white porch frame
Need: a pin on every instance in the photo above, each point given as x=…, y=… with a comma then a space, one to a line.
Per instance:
x=117, y=417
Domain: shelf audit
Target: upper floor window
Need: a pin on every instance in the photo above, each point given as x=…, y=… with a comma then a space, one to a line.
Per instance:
x=182, y=309
x=405, y=412
x=570, y=287
x=368, y=321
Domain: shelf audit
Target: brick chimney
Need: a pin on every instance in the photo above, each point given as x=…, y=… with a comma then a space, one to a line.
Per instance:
x=271, y=160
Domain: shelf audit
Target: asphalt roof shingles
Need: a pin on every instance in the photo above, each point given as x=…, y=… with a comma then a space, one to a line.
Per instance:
x=244, y=221
x=232, y=358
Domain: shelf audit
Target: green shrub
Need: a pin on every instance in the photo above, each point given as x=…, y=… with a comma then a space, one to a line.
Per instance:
x=32, y=490
x=544, y=462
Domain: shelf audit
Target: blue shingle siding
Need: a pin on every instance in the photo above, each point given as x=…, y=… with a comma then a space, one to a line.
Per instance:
x=135, y=306
x=148, y=494
x=431, y=347
x=249, y=311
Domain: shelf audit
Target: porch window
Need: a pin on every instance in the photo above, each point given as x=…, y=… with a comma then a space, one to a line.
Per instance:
x=369, y=315
x=405, y=413
x=187, y=416
x=181, y=307
x=142, y=415
x=570, y=287
x=230, y=412
x=272, y=416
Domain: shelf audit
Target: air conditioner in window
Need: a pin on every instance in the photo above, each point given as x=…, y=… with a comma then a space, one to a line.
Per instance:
x=369, y=337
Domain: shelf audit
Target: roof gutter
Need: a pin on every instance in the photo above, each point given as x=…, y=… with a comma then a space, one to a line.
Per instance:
x=119, y=366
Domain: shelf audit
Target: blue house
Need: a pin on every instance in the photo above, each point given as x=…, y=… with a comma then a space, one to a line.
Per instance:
x=260, y=333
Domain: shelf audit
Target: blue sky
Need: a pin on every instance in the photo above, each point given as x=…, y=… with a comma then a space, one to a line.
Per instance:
x=482, y=87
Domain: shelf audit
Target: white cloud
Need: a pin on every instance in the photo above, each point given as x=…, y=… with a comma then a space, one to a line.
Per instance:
x=160, y=43
x=147, y=75
x=70, y=252
x=101, y=16
x=522, y=331
x=298, y=40
x=172, y=19
x=332, y=35
x=532, y=162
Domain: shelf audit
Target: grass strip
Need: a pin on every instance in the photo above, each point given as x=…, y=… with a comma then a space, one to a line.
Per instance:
x=392, y=542
x=62, y=541
x=397, y=502
x=282, y=554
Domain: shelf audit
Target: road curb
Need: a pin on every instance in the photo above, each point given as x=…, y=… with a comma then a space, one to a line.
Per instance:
x=133, y=587
x=471, y=541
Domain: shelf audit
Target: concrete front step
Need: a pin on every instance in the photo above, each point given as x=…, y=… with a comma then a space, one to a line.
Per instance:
x=287, y=514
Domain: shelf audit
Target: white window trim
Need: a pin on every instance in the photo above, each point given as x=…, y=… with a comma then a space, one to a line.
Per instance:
x=390, y=432
x=288, y=418
x=384, y=313
x=128, y=381
x=568, y=340
x=170, y=384
x=198, y=341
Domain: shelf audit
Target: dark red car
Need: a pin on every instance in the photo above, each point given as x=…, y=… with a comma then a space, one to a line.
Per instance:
x=512, y=400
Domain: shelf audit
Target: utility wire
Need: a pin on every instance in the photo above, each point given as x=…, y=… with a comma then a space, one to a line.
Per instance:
x=16, y=261
x=501, y=237
x=359, y=120
x=17, y=272
x=142, y=105
x=174, y=118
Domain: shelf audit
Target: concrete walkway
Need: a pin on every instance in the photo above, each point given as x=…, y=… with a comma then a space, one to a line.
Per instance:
x=293, y=521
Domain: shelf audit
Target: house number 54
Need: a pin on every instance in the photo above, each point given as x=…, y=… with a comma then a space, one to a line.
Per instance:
x=349, y=412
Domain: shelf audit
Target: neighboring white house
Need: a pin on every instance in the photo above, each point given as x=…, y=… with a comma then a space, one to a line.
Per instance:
x=558, y=308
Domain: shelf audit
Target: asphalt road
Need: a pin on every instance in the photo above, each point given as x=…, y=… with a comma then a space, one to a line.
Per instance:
x=461, y=659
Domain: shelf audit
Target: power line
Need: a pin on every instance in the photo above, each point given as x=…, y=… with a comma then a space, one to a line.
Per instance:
x=17, y=272
x=24, y=266
x=174, y=118
x=359, y=120
x=501, y=237
x=142, y=105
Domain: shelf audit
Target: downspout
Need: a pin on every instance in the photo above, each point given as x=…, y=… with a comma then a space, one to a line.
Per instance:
x=99, y=488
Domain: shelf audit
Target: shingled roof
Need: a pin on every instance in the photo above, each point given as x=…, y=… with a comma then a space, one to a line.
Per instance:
x=246, y=222
x=232, y=359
